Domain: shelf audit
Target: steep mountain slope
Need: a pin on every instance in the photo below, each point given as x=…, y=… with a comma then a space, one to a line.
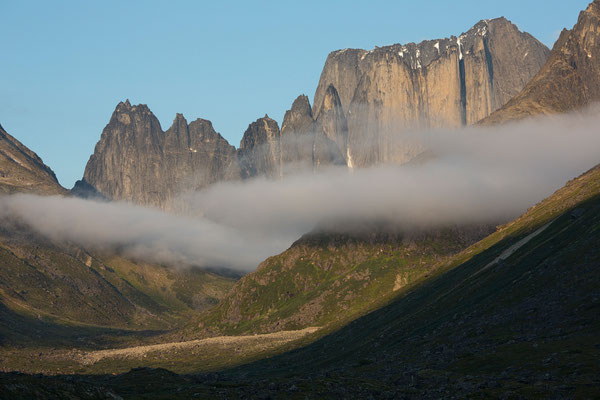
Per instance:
x=436, y=83
x=69, y=285
x=513, y=316
x=570, y=79
x=516, y=312
x=331, y=278
x=21, y=170
x=51, y=292
x=136, y=161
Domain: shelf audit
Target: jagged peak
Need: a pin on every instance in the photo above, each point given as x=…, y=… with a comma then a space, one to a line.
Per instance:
x=419, y=55
x=179, y=118
x=302, y=105
x=562, y=39
x=125, y=106
x=593, y=8
x=300, y=111
x=205, y=123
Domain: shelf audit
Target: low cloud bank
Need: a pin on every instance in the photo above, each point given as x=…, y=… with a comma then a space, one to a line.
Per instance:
x=475, y=175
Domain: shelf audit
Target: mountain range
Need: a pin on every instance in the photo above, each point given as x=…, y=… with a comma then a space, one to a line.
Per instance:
x=364, y=101
x=468, y=310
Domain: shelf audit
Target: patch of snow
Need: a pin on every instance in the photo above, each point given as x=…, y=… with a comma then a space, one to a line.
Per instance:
x=437, y=46
x=526, y=54
x=193, y=150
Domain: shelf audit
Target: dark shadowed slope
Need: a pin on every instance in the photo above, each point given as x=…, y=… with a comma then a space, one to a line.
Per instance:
x=515, y=312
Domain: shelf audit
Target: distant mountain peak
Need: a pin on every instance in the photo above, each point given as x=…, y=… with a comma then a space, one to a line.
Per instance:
x=570, y=79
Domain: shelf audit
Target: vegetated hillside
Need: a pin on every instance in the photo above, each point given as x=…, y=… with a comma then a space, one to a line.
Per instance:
x=513, y=316
x=569, y=80
x=21, y=170
x=66, y=285
x=515, y=313
x=46, y=287
x=331, y=278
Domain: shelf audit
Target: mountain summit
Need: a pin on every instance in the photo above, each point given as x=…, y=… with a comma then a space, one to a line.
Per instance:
x=569, y=80
x=22, y=171
x=136, y=161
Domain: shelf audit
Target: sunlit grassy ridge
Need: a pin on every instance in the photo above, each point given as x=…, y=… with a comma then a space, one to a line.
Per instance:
x=328, y=279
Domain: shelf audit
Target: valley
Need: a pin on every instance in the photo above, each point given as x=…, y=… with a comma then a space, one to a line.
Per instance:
x=136, y=284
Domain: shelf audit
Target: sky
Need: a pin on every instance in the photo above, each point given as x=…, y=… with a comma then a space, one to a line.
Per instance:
x=65, y=65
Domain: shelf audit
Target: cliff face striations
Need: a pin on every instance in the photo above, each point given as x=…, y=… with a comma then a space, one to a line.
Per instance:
x=136, y=161
x=365, y=103
x=436, y=83
x=569, y=80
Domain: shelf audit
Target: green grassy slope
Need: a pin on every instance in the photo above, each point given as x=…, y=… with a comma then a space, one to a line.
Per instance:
x=527, y=324
x=329, y=279
x=69, y=286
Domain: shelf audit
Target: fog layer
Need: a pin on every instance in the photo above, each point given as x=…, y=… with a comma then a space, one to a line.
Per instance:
x=471, y=175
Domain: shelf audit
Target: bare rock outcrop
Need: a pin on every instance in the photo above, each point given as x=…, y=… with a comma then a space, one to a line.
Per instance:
x=136, y=161
x=23, y=171
x=260, y=151
x=437, y=83
x=305, y=145
x=569, y=80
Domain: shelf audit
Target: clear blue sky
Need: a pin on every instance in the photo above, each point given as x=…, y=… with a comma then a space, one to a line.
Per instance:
x=64, y=65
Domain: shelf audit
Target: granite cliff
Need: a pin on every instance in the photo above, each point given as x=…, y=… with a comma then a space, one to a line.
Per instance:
x=136, y=161
x=260, y=151
x=363, y=103
x=437, y=83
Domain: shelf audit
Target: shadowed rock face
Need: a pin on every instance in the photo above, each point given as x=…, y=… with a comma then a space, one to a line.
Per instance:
x=569, y=80
x=305, y=145
x=136, y=161
x=437, y=83
x=260, y=152
x=297, y=136
x=22, y=171
x=332, y=122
